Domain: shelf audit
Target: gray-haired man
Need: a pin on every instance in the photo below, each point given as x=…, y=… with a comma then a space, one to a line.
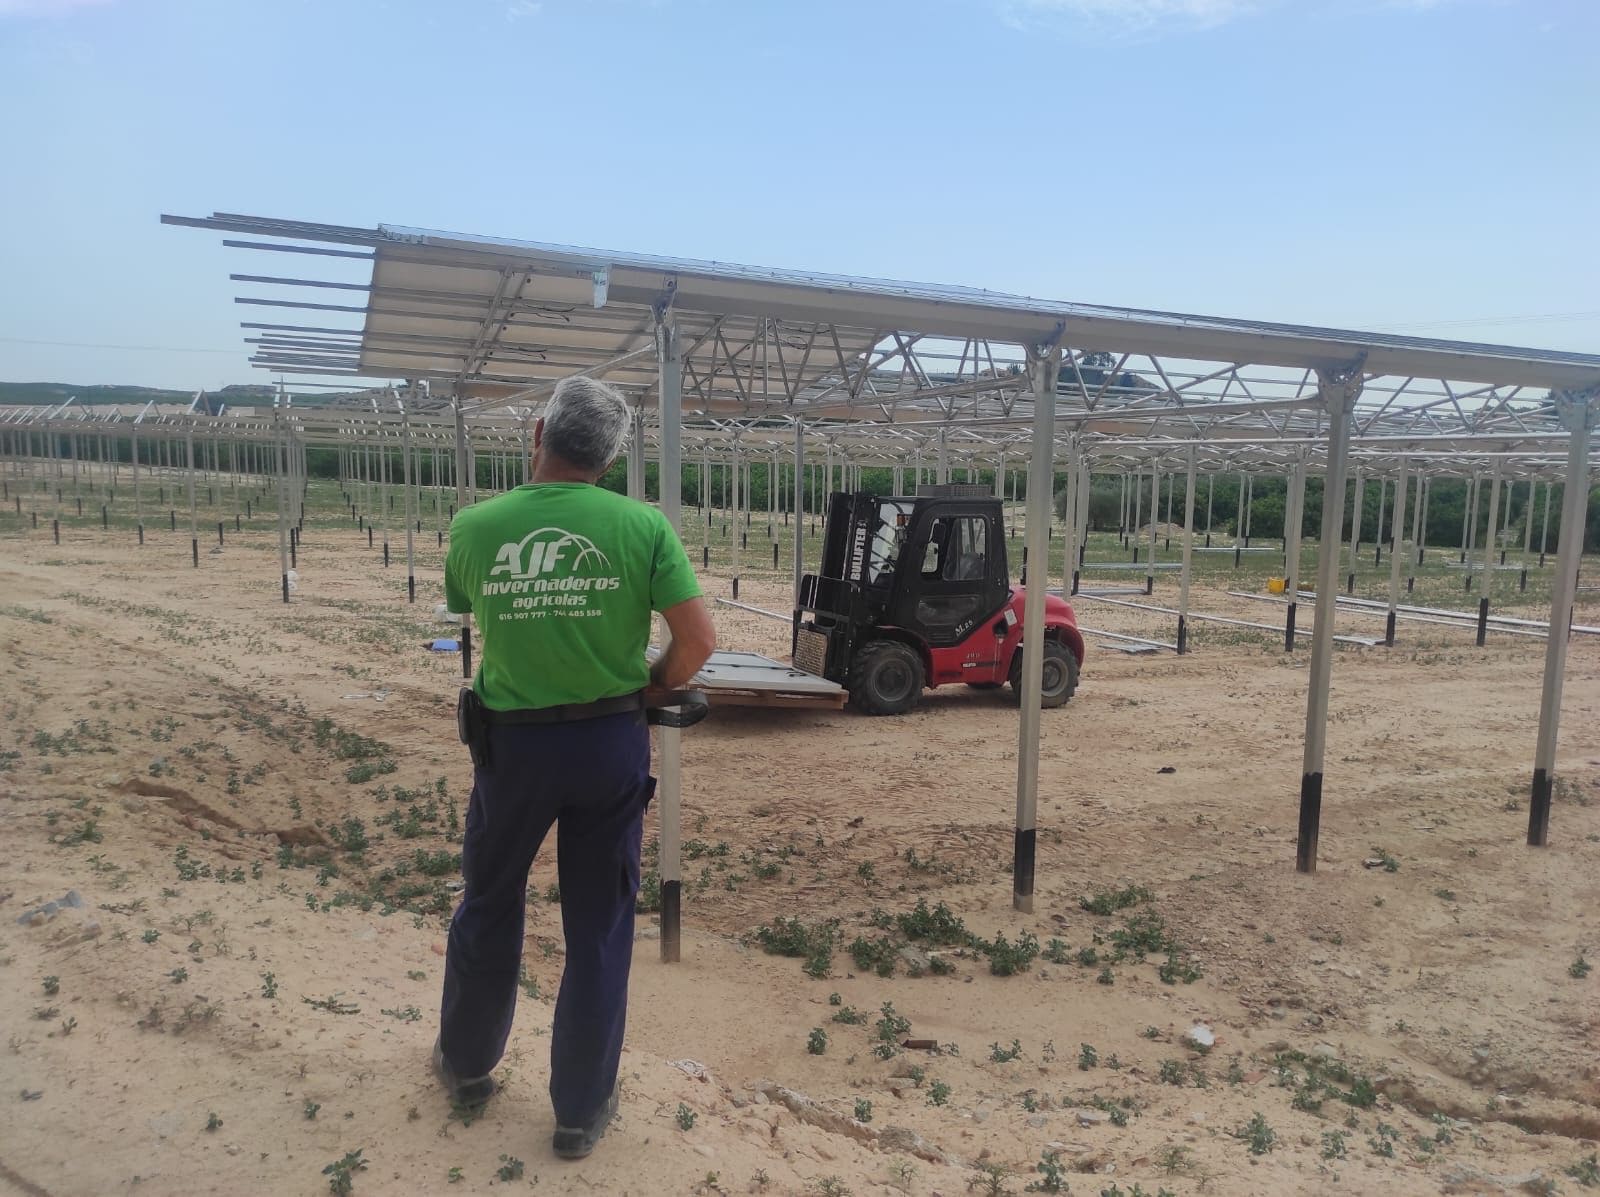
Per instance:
x=562, y=578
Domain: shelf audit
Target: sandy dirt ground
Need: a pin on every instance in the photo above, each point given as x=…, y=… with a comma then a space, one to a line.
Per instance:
x=263, y=849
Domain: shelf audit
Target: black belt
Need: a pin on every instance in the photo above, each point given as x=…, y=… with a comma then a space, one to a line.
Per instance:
x=676, y=708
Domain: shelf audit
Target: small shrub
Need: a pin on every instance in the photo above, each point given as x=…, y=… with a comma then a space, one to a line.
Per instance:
x=1104, y=902
x=685, y=1117
x=341, y=1173
x=817, y=1041
x=510, y=1168
x=1007, y=959
x=1257, y=1135
x=1004, y=1055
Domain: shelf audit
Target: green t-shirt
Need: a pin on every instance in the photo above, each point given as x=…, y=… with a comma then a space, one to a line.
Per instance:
x=561, y=578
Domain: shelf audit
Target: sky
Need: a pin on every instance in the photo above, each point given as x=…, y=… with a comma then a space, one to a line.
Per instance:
x=1424, y=166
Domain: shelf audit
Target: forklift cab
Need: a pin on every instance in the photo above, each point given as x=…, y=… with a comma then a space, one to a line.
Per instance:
x=954, y=573
x=934, y=566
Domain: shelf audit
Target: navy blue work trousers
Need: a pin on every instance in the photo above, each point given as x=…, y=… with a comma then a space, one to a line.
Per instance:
x=591, y=779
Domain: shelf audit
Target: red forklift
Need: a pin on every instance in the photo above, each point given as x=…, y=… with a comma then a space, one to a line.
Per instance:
x=914, y=593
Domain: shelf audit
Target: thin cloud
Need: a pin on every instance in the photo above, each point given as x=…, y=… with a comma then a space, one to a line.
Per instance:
x=47, y=8
x=518, y=9
x=1129, y=16
x=1150, y=17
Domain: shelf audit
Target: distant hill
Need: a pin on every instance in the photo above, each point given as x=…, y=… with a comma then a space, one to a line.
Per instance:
x=49, y=393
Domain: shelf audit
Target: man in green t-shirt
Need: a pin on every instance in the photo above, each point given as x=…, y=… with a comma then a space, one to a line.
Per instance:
x=562, y=578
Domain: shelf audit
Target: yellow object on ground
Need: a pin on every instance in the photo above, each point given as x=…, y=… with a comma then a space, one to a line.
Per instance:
x=1277, y=585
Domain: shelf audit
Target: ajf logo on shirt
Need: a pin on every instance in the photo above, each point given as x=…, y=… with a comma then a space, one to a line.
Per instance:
x=546, y=551
x=543, y=568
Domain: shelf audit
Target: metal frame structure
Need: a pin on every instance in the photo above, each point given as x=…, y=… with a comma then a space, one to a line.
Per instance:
x=740, y=363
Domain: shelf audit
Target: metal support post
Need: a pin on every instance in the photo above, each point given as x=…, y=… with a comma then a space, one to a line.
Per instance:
x=670, y=393
x=1045, y=366
x=799, y=517
x=1489, y=537
x=1355, y=529
x=1188, y=550
x=1396, y=524
x=1150, y=564
x=1338, y=390
x=1291, y=555
x=1578, y=413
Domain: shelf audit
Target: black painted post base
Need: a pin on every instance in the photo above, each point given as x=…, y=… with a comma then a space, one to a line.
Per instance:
x=285, y=578
x=1411, y=584
x=1305, y=857
x=438, y=539
x=219, y=531
x=1149, y=583
x=1022, y=856
x=1074, y=581
x=293, y=554
x=1208, y=540
x=249, y=512
x=238, y=522
x=1247, y=542
x=141, y=533
x=105, y=516
x=1288, y=627
x=774, y=554
x=194, y=550
x=671, y=921
x=466, y=651
x=1388, y=630
x=1168, y=545
x=1236, y=556
x=78, y=499
x=1541, y=560
x=411, y=588
x=1483, y=620
x=1183, y=635
x=1502, y=556
x=172, y=520
x=386, y=554
x=1467, y=583
x=736, y=587
x=1136, y=554
x=1350, y=584
x=1377, y=554
x=1522, y=580
x=55, y=526
x=1539, y=810
x=705, y=557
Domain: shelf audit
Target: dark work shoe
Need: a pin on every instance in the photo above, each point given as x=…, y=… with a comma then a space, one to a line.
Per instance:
x=464, y=1091
x=575, y=1143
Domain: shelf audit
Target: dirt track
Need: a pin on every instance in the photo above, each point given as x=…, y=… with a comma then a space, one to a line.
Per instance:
x=156, y=711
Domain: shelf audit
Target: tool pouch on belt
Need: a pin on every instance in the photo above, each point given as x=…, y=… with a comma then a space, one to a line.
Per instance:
x=472, y=726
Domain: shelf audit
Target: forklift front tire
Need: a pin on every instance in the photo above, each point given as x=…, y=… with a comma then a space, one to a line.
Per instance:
x=1060, y=679
x=886, y=678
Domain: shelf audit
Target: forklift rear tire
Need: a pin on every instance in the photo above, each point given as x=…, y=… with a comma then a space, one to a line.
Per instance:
x=1060, y=679
x=886, y=678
